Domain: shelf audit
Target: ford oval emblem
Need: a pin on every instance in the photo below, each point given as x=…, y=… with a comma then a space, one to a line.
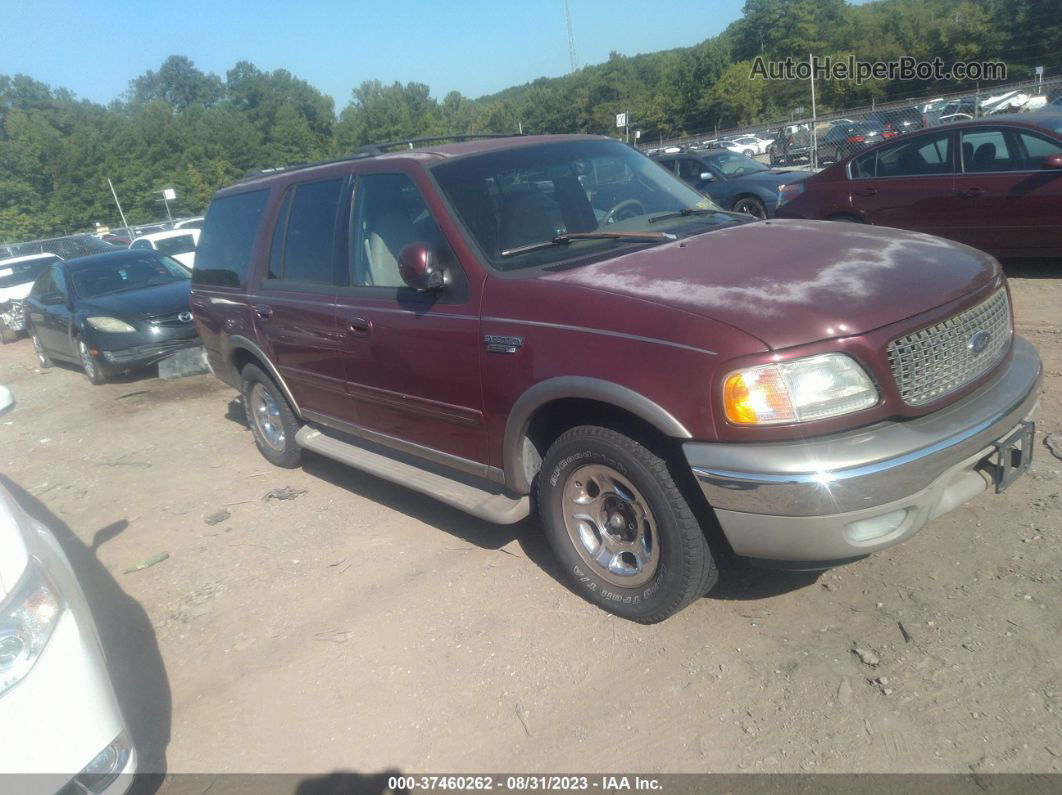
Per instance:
x=978, y=342
x=186, y=317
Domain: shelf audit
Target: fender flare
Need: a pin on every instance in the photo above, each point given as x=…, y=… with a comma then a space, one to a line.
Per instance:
x=237, y=342
x=578, y=387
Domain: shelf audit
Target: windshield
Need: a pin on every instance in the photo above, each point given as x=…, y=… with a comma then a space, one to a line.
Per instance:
x=732, y=164
x=127, y=273
x=515, y=198
x=180, y=244
x=23, y=272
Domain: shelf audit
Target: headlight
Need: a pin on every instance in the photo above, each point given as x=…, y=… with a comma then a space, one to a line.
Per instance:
x=798, y=391
x=109, y=324
x=28, y=617
x=789, y=192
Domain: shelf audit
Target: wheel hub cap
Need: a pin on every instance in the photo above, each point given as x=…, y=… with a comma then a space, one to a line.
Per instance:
x=266, y=416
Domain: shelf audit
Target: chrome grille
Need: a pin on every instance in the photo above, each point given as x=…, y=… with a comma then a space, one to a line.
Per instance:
x=168, y=320
x=934, y=361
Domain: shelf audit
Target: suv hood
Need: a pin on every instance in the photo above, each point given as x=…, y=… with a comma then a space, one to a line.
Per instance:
x=790, y=282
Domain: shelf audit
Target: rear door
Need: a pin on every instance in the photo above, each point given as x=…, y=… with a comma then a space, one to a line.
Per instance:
x=1010, y=204
x=294, y=303
x=908, y=184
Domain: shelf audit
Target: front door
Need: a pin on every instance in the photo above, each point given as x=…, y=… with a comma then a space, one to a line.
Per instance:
x=411, y=358
x=51, y=321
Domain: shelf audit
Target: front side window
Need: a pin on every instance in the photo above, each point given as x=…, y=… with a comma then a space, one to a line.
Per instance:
x=307, y=254
x=388, y=214
x=182, y=244
x=1036, y=149
x=227, y=238
x=527, y=196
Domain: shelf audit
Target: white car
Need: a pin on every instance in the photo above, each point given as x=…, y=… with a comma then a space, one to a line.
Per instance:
x=748, y=145
x=189, y=223
x=177, y=243
x=17, y=275
x=60, y=725
x=7, y=400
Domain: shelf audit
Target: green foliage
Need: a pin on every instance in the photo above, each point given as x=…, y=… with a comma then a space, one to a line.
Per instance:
x=180, y=128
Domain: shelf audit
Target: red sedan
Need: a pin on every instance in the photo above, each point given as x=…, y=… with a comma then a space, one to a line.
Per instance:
x=992, y=183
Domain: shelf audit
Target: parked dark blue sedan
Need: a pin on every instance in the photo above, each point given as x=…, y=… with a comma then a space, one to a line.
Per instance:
x=733, y=181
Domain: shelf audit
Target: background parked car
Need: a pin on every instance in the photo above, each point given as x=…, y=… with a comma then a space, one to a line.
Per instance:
x=898, y=120
x=59, y=717
x=841, y=140
x=994, y=183
x=749, y=145
x=111, y=313
x=792, y=144
x=732, y=180
x=177, y=243
x=17, y=276
x=67, y=247
x=189, y=223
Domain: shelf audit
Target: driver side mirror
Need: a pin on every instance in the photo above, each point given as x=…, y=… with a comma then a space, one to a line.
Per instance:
x=1052, y=161
x=54, y=298
x=419, y=269
x=707, y=176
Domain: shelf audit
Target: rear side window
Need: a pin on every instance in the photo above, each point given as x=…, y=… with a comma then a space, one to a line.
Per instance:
x=304, y=237
x=228, y=235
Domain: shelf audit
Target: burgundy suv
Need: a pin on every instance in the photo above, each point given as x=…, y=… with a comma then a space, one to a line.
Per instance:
x=484, y=319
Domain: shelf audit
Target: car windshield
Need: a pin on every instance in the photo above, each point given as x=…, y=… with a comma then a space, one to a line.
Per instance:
x=127, y=273
x=733, y=164
x=23, y=272
x=179, y=244
x=512, y=199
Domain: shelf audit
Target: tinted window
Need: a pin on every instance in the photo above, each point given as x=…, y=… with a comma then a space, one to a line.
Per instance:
x=924, y=155
x=43, y=285
x=127, y=273
x=140, y=244
x=310, y=234
x=276, y=248
x=388, y=214
x=690, y=170
x=22, y=272
x=985, y=151
x=227, y=238
x=176, y=245
x=1036, y=149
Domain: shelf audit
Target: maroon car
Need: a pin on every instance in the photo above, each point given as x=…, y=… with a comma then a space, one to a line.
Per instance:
x=993, y=183
x=558, y=315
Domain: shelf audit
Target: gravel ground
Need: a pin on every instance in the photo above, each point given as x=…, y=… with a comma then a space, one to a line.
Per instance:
x=359, y=626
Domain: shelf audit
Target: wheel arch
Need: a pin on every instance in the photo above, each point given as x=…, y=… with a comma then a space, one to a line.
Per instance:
x=240, y=351
x=552, y=406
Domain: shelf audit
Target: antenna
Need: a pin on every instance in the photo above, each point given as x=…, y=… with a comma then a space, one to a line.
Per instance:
x=571, y=35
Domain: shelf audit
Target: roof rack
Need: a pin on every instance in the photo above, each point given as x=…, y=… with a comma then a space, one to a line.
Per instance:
x=372, y=150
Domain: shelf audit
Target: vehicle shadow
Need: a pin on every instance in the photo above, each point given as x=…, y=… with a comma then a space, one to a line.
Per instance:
x=134, y=661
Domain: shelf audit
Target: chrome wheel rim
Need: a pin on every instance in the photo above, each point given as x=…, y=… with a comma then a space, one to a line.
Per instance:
x=749, y=208
x=266, y=417
x=611, y=526
x=39, y=349
x=86, y=359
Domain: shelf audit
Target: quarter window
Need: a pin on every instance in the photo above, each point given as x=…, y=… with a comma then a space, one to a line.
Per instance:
x=1036, y=149
x=227, y=239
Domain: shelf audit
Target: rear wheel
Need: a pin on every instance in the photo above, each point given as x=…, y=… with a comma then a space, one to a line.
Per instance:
x=624, y=534
x=273, y=423
x=89, y=364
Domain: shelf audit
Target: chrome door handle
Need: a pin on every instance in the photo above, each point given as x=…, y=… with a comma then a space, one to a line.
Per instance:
x=263, y=311
x=359, y=326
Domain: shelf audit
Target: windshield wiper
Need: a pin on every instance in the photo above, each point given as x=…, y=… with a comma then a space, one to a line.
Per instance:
x=683, y=213
x=568, y=237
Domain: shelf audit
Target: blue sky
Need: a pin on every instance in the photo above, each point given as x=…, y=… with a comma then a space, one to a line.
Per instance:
x=475, y=46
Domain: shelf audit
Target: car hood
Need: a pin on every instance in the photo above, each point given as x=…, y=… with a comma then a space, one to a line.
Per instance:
x=13, y=552
x=17, y=291
x=158, y=300
x=773, y=178
x=790, y=282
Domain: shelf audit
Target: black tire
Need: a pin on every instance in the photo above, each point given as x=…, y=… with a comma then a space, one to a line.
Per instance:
x=43, y=359
x=89, y=366
x=272, y=422
x=685, y=569
x=750, y=205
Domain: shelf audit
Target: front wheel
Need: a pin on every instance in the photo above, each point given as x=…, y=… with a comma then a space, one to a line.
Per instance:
x=624, y=534
x=273, y=423
x=750, y=205
x=89, y=365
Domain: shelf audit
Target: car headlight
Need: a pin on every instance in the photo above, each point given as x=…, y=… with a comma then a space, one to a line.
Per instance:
x=109, y=324
x=789, y=191
x=28, y=616
x=802, y=390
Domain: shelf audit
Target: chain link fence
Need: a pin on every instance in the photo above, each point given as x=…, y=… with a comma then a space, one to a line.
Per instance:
x=812, y=143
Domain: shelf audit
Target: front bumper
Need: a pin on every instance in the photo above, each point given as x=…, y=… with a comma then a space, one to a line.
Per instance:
x=798, y=501
x=13, y=314
x=120, y=360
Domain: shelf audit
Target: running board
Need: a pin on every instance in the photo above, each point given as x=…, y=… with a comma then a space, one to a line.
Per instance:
x=491, y=506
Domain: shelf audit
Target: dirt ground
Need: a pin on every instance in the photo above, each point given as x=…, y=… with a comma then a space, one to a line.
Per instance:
x=359, y=626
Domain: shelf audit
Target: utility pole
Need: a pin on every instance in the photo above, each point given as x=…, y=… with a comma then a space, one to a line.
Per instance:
x=814, y=143
x=627, y=128
x=571, y=36
x=115, y=195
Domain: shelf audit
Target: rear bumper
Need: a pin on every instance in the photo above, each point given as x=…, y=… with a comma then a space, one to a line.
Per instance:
x=799, y=500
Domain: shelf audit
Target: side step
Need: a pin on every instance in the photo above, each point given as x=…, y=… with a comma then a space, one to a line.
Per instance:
x=488, y=505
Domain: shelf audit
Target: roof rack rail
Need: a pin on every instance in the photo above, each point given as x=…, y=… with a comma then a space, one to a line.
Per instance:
x=372, y=150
